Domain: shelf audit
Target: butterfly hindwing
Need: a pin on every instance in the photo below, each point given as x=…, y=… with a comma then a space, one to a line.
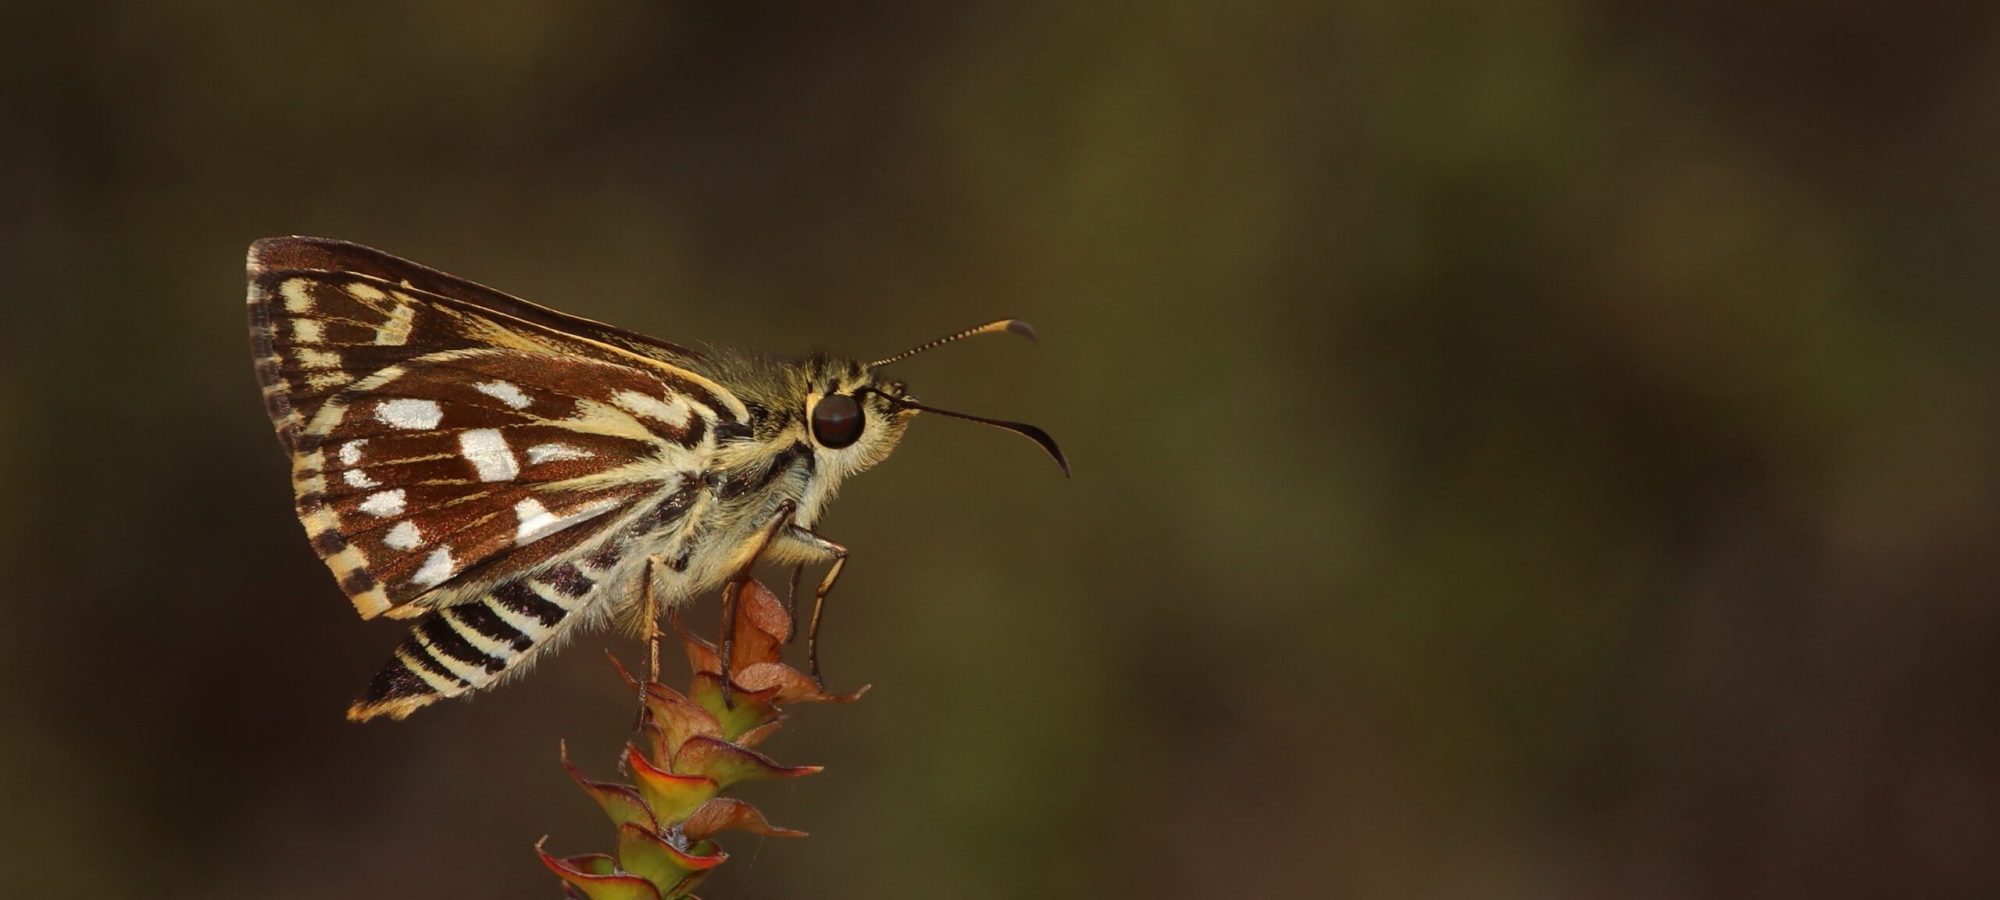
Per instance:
x=467, y=461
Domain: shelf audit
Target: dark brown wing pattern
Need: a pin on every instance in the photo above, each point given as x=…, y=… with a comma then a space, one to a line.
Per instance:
x=459, y=451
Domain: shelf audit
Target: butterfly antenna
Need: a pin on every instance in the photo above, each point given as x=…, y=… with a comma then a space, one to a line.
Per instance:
x=1014, y=325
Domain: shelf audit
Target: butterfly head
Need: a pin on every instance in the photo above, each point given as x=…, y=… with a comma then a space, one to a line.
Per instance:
x=852, y=419
x=855, y=415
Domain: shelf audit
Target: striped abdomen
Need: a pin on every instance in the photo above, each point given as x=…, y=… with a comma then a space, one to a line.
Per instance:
x=468, y=646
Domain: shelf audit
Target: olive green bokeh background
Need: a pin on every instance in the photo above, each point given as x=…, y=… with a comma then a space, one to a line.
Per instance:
x=1523, y=450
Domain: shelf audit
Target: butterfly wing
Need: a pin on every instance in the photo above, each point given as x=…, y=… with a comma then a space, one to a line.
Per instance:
x=432, y=479
x=326, y=313
x=499, y=493
x=311, y=254
x=463, y=457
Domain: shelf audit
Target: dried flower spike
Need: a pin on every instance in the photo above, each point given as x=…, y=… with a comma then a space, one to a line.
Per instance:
x=688, y=749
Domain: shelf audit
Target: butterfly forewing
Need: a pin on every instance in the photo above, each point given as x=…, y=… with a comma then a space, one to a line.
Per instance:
x=324, y=314
x=277, y=256
x=471, y=457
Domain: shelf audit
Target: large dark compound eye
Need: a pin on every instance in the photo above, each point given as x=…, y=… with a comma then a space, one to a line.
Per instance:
x=836, y=421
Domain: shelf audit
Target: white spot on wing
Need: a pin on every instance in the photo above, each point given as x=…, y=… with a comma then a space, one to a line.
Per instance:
x=326, y=381
x=541, y=453
x=360, y=291
x=319, y=359
x=404, y=536
x=396, y=331
x=537, y=522
x=384, y=504
x=436, y=568
x=486, y=449
x=297, y=301
x=672, y=412
x=350, y=452
x=408, y=414
x=358, y=478
x=307, y=331
x=505, y=392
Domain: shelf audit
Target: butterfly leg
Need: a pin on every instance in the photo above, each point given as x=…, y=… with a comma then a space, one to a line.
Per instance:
x=651, y=611
x=792, y=601
x=650, y=608
x=780, y=520
x=839, y=555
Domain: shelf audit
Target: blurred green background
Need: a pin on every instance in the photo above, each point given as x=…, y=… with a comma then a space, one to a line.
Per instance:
x=1523, y=450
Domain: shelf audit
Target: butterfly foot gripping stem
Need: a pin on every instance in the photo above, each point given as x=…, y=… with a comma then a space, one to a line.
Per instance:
x=838, y=554
x=781, y=519
x=819, y=607
x=650, y=609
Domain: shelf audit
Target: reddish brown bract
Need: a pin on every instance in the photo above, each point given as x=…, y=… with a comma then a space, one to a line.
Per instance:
x=689, y=748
